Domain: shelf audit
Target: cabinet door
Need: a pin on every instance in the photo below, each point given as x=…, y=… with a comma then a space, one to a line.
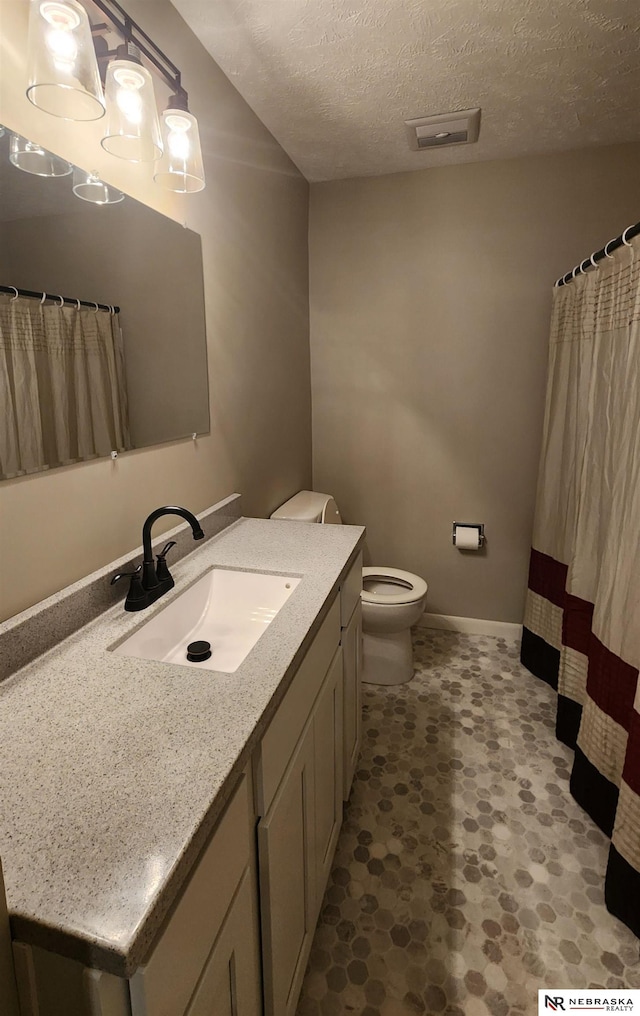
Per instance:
x=352, y=670
x=287, y=884
x=167, y=981
x=230, y=984
x=328, y=784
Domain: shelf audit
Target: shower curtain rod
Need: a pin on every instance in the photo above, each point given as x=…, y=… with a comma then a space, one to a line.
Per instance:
x=65, y=299
x=628, y=234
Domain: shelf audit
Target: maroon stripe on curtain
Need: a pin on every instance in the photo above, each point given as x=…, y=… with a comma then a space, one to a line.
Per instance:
x=576, y=623
x=631, y=771
x=611, y=683
x=547, y=577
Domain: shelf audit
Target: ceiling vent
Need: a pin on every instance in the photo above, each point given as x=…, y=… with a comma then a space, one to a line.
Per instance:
x=443, y=129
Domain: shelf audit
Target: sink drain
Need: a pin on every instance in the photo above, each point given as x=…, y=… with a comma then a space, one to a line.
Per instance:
x=198, y=652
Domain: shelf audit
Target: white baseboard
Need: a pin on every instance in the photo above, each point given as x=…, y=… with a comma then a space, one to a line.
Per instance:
x=471, y=625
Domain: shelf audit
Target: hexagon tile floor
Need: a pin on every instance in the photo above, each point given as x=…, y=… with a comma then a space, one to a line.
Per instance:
x=466, y=876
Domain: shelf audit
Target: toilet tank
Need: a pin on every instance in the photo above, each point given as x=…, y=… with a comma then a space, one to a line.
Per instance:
x=309, y=506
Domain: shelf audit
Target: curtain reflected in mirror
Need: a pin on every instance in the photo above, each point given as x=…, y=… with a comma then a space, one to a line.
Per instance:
x=77, y=381
x=62, y=385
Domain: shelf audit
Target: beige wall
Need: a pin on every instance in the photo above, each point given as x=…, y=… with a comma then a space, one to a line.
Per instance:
x=430, y=301
x=57, y=527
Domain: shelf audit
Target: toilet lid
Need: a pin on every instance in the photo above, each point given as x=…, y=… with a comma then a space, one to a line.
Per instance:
x=402, y=586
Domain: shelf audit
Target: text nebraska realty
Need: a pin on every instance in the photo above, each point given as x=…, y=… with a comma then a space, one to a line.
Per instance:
x=590, y=1002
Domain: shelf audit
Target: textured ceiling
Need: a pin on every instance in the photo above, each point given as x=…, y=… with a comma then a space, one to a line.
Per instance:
x=334, y=79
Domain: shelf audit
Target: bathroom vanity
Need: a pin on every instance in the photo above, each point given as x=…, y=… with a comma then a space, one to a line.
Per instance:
x=169, y=831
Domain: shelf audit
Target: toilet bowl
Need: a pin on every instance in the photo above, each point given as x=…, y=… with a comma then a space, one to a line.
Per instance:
x=392, y=600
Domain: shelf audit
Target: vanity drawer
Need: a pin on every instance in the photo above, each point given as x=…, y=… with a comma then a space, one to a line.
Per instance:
x=164, y=985
x=350, y=589
x=283, y=733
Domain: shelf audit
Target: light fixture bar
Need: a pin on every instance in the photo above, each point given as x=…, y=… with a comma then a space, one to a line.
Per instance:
x=131, y=32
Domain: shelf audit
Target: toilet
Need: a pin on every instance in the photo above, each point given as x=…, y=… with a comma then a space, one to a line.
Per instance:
x=392, y=600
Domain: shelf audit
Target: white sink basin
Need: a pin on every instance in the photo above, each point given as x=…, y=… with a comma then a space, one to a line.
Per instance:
x=229, y=609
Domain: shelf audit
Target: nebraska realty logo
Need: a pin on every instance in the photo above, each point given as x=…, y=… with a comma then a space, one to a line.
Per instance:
x=569, y=1000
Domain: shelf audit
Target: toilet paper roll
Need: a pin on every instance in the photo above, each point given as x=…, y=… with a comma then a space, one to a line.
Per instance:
x=467, y=538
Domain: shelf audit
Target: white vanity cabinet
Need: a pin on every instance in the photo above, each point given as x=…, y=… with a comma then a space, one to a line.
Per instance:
x=237, y=940
x=299, y=799
x=208, y=953
x=206, y=959
x=351, y=641
x=230, y=984
x=285, y=838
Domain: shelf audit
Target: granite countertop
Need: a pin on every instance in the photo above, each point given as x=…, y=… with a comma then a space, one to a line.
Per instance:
x=115, y=769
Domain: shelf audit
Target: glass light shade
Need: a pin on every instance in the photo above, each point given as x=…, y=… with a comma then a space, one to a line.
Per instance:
x=63, y=71
x=180, y=169
x=89, y=187
x=32, y=158
x=132, y=130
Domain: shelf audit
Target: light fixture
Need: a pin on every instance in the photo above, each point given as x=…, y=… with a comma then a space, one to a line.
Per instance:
x=132, y=130
x=64, y=79
x=32, y=158
x=89, y=187
x=65, y=51
x=180, y=169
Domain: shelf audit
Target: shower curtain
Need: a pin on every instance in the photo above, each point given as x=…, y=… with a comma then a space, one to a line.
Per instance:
x=62, y=385
x=582, y=616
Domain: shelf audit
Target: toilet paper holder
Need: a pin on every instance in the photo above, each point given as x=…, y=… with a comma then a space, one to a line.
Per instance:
x=469, y=525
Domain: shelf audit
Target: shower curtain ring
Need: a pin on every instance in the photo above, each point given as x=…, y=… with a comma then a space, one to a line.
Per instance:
x=97, y=308
x=15, y=291
x=77, y=303
x=624, y=236
x=582, y=263
x=61, y=299
x=44, y=297
x=606, y=252
x=594, y=263
x=573, y=273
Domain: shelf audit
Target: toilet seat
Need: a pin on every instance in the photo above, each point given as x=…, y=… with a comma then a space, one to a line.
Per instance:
x=404, y=587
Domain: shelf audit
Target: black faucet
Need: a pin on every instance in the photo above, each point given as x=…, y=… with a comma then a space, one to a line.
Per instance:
x=149, y=578
x=149, y=587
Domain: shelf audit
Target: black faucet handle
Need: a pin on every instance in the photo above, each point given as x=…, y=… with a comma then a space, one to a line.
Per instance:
x=162, y=572
x=125, y=574
x=137, y=597
x=165, y=550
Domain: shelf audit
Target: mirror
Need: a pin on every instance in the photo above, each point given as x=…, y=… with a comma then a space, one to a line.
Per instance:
x=55, y=368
